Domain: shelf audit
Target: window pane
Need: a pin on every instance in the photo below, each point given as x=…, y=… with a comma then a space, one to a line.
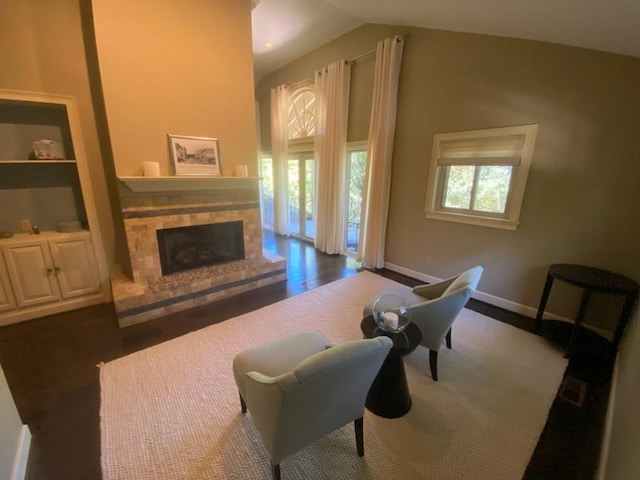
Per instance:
x=458, y=186
x=293, y=187
x=309, y=196
x=301, y=113
x=492, y=189
x=357, y=162
x=266, y=186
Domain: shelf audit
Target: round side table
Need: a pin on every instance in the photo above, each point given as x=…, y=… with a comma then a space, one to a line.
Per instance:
x=389, y=395
x=591, y=280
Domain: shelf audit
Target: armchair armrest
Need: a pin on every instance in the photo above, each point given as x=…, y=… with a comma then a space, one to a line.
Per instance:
x=262, y=378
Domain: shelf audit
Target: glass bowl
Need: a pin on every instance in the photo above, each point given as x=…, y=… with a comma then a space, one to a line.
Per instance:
x=391, y=313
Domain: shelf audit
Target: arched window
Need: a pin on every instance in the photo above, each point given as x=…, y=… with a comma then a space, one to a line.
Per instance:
x=302, y=120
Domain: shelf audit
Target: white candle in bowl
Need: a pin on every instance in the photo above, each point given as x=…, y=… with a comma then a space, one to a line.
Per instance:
x=390, y=320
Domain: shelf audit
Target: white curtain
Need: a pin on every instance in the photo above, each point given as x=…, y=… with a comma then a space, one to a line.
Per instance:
x=377, y=182
x=330, y=144
x=280, y=156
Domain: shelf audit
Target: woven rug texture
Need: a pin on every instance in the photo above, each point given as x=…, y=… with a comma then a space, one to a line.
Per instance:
x=172, y=411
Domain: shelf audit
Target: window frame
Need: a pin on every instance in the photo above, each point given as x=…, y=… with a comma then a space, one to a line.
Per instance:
x=519, y=159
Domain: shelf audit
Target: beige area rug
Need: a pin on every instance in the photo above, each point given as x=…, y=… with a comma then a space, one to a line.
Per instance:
x=172, y=411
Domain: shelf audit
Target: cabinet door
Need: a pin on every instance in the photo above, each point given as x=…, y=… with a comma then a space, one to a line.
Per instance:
x=7, y=301
x=32, y=273
x=75, y=265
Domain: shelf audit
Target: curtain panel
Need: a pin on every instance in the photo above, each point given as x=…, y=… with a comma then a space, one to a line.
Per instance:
x=377, y=182
x=330, y=144
x=280, y=156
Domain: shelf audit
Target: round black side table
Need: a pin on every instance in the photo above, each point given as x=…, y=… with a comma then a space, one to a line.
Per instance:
x=591, y=280
x=389, y=394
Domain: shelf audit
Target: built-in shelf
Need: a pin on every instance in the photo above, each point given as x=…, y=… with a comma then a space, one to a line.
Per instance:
x=185, y=183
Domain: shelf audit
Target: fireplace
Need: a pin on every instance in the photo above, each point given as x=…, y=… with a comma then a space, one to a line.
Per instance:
x=186, y=248
x=177, y=263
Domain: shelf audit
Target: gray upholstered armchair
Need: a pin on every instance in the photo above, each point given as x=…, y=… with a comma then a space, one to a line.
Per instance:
x=300, y=388
x=434, y=307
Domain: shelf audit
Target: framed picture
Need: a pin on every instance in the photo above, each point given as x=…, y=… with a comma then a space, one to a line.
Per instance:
x=195, y=155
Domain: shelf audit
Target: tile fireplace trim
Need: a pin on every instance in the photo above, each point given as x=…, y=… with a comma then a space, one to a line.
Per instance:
x=188, y=183
x=180, y=210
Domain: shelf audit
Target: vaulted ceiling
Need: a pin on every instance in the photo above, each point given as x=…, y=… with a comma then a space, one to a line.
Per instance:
x=296, y=27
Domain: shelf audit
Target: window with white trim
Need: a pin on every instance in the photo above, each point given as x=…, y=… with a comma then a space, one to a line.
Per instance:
x=478, y=177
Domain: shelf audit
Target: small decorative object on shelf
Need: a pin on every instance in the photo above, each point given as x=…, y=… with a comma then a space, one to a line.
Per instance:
x=48, y=150
x=391, y=314
x=242, y=171
x=151, y=169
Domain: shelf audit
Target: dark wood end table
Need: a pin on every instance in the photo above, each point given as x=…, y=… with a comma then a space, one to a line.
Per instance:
x=591, y=280
x=389, y=394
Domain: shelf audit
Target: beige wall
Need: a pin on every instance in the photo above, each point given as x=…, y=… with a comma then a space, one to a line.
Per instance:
x=41, y=47
x=181, y=68
x=581, y=198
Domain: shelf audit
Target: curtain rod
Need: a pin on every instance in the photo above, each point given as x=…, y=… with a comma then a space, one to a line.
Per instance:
x=351, y=60
x=358, y=57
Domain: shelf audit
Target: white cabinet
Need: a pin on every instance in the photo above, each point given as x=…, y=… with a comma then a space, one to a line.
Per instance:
x=47, y=273
x=7, y=301
x=74, y=264
x=31, y=273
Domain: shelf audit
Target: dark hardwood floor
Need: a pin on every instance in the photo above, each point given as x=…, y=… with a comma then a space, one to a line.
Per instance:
x=50, y=366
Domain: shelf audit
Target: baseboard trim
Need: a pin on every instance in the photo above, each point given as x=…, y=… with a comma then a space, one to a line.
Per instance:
x=606, y=436
x=478, y=295
x=19, y=470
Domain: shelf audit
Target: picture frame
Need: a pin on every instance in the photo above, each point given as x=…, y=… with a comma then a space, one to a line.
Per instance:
x=195, y=155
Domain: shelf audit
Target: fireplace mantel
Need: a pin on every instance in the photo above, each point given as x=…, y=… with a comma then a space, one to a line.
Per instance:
x=187, y=183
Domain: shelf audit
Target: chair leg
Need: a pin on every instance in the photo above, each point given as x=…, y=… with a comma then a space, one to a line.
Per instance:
x=433, y=363
x=243, y=405
x=275, y=471
x=358, y=424
x=448, y=338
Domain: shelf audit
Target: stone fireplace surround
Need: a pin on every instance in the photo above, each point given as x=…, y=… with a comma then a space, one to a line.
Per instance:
x=145, y=293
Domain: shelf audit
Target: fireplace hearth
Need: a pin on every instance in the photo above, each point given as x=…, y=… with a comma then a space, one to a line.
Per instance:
x=186, y=248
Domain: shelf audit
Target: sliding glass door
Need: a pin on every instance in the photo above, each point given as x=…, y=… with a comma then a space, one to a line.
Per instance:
x=300, y=182
x=266, y=191
x=356, y=161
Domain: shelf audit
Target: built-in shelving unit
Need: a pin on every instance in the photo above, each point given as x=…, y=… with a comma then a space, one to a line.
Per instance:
x=44, y=182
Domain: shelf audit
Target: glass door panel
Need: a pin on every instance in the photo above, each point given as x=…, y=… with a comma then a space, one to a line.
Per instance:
x=357, y=161
x=300, y=195
x=309, y=199
x=266, y=191
x=293, y=196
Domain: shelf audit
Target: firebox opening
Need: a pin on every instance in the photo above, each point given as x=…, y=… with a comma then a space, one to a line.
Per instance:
x=185, y=248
